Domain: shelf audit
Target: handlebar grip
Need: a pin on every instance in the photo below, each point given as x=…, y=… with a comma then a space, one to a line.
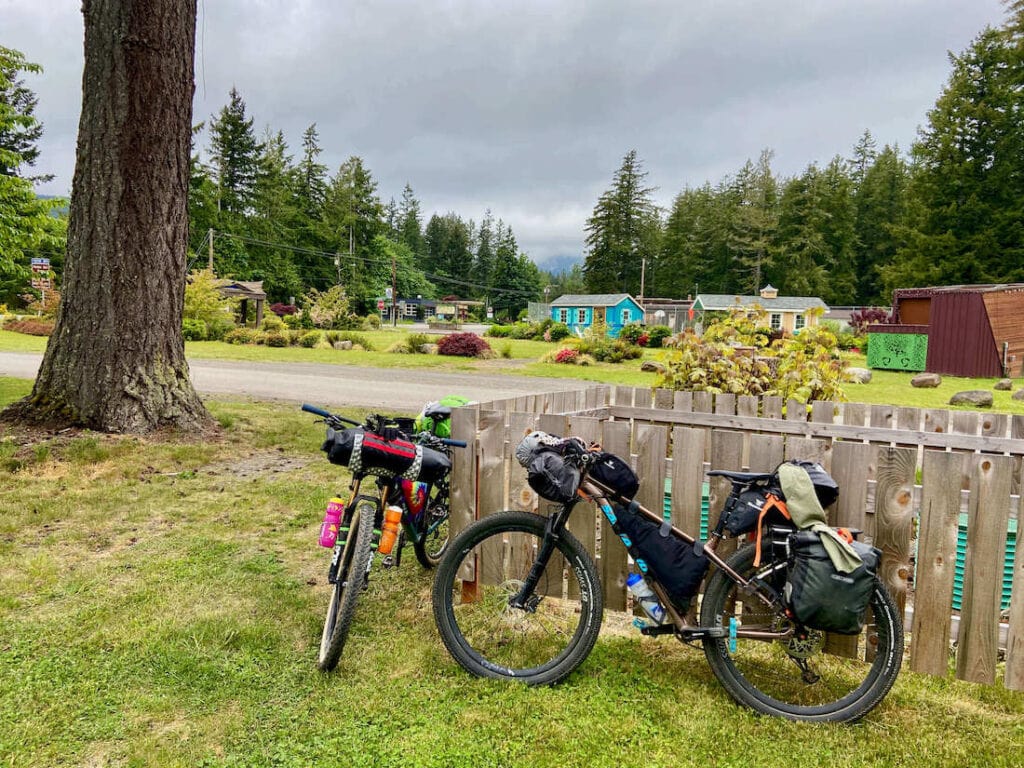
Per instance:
x=318, y=411
x=454, y=443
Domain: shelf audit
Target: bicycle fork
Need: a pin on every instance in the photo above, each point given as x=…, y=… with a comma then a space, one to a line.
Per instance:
x=525, y=599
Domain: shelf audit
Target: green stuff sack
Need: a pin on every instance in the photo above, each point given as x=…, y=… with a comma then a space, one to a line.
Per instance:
x=438, y=426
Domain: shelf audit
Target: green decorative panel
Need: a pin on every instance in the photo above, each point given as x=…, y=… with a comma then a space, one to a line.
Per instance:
x=897, y=351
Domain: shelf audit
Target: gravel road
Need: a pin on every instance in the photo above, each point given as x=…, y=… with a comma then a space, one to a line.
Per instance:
x=336, y=385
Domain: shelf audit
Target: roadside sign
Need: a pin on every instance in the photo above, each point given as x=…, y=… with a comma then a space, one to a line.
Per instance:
x=42, y=283
x=380, y=304
x=40, y=265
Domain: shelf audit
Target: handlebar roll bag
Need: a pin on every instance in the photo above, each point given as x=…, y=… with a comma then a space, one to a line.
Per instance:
x=368, y=454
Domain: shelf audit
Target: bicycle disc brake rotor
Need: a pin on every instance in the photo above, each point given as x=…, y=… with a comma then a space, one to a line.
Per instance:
x=804, y=647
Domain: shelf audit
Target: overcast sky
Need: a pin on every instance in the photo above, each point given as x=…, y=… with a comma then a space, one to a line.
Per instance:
x=527, y=108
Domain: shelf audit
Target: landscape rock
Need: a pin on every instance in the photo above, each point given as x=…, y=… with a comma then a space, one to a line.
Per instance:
x=926, y=380
x=428, y=349
x=343, y=344
x=979, y=397
x=650, y=366
x=1003, y=385
x=859, y=375
x=1018, y=395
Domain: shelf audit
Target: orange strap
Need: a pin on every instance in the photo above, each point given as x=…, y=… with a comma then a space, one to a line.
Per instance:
x=773, y=502
x=845, y=535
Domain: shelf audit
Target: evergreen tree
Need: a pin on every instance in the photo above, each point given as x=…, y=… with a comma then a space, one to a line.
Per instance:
x=312, y=175
x=352, y=219
x=27, y=228
x=483, y=262
x=448, y=257
x=517, y=281
x=752, y=223
x=801, y=253
x=685, y=261
x=235, y=154
x=864, y=155
x=20, y=131
x=968, y=188
x=839, y=233
x=569, y=281
x=622, y=232
x=881, y=201
x=410, y=222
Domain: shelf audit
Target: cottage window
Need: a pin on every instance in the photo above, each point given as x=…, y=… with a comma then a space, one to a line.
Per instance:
x=563, y=316
x=581, y=316
x=626, y=317
x=801, y=321
x=776, y=321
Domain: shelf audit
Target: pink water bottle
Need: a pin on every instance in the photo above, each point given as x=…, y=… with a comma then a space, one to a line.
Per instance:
x=332, y=521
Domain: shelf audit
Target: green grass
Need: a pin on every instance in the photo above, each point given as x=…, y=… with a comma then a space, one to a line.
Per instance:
x=160, y=605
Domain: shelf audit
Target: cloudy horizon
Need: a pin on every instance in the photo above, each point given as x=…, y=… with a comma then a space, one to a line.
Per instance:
x=528, y=108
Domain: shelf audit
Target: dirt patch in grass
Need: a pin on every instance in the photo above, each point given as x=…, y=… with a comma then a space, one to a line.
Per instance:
x=259, y=464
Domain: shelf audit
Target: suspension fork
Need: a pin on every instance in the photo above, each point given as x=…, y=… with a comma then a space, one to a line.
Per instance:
x=524, y=599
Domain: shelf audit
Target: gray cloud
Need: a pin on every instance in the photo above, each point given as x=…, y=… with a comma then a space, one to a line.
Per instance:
x=527, y=107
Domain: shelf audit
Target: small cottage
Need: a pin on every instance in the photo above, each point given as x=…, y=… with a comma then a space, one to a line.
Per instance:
x=581, y=311
x=785, y=313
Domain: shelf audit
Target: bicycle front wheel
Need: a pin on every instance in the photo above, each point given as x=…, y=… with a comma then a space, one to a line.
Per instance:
x=486, y=566
x=836, y=679
x=353, y=568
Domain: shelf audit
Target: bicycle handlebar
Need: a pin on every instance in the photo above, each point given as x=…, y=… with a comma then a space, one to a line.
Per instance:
x=331, y=418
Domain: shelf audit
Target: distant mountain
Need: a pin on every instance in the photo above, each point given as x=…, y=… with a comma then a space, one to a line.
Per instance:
x=558, y=264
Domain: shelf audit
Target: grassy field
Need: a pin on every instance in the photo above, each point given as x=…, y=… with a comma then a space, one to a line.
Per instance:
x=160, y=605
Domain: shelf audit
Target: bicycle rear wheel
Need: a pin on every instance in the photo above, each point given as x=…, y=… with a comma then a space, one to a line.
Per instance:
x=485, y=566
x=432, y=546
x=796, y=678
x=353, y=567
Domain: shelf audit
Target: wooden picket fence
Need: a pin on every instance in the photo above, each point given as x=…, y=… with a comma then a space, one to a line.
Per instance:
x=906, y=476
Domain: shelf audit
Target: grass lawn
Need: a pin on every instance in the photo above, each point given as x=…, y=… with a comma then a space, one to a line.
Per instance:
x=160, y=605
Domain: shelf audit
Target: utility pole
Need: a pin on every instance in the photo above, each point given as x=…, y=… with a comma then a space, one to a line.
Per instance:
x=209, y=262
x=643, y=271
x=394, y=291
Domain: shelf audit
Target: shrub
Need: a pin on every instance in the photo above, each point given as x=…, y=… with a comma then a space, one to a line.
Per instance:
x=567, y=355
x=522, y=331
x=556, y=332
x=356, y=339
x=861, y=319
x=293, y=321
x=326, y=309
x=631, y=333
x=372, y=322
x=273, y=323
x=463, y=345
x=505, y=350
x=32, y=327
x=203, y=301
x=598, y=345
x=242, y=336
x=308, y=340
x=193, y=329
x=281, y=310
x=499, y=331
x=294, y=335
x=414, y=341
x=276, y=339
x=656, y=335
x=747, y=326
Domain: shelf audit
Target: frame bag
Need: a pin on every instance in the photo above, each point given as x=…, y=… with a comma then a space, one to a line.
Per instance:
x=673, y=562
x=822, y=597
x=615, y=473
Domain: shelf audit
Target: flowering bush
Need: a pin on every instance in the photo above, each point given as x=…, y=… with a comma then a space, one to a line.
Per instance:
x=31, y=327
x=463, y=345
x=281, y=310
x=567, y=355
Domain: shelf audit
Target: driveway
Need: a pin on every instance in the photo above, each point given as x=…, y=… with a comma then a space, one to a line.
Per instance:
x=336, y=385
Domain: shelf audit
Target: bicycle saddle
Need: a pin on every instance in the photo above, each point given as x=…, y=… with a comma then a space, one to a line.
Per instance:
x=437, y=412
x=741, y=477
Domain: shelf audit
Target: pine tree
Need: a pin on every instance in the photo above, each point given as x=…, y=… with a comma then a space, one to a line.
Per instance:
x=410, y=222
x=235, y=156
x=864, y=155
x=753, y=222
x=483, y=261
x=881, y=201
x=312, y=174
x=801, y=252
x=20, y=130
x=448, y=253
x=622, y=232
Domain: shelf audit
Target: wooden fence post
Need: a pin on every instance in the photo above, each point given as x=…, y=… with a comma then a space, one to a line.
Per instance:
x=613, y=558
x=894, y=510
x=987, y=521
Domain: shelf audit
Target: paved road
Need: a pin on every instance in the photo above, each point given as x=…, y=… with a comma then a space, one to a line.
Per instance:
x=336, y=385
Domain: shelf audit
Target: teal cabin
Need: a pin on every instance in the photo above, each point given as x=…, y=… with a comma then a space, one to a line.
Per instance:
x=580, y=311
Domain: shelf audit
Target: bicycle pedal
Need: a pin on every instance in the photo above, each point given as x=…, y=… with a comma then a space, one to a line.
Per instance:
x=388, y=561
x=656, y=629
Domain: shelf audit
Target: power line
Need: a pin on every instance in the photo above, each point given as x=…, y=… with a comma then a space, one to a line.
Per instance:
x=368, y=260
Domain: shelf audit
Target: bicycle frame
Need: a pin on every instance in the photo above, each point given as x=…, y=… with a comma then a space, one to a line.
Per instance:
x=597, y=494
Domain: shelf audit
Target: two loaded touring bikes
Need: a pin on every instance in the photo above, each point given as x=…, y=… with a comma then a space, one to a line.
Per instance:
x=794, y=623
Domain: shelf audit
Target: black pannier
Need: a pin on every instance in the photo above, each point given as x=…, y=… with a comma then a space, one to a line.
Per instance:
x=615, y=473
x=672, y=561
x=822, y=597
x=743, y=510
x=552, y=477
x=368, y=454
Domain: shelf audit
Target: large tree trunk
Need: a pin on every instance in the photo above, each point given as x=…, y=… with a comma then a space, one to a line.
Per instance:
x=116, y=360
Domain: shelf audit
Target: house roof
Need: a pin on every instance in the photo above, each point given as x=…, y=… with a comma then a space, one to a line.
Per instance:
x=915, y=293
x=723, y=301
x=591, y=300
x=245, y=289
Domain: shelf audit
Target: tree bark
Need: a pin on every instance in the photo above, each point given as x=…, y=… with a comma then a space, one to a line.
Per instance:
x=116, y=359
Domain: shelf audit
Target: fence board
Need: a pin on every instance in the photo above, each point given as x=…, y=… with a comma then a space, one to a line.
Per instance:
x=894, y=509
x=491, y=462
x=908, y=418
x=766, y=452
x=553, y=424
x=663, y=398
x=771, y=407
x=702, y=402
x=881, y=416
x=725, y=403
x=520, y=494
x=823, y=412
x=809, y=449
x=613, y=558
x=965, y=422
x=651, y=449
x=795, y=411
x=853, y=414
x=936, y=420
x=995, y=424
x=464, y=507
x=623, y=395
x=746, y=405
x=687, y=478
x=726, y=453
x=988, y=516
x=936, y=562
x=582, y=522
x=682, y=402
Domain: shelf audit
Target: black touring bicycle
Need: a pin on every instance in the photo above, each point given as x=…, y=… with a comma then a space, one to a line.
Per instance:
x=517, y=596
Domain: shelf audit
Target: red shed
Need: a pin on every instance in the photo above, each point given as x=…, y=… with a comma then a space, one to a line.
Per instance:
x=973, y=330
